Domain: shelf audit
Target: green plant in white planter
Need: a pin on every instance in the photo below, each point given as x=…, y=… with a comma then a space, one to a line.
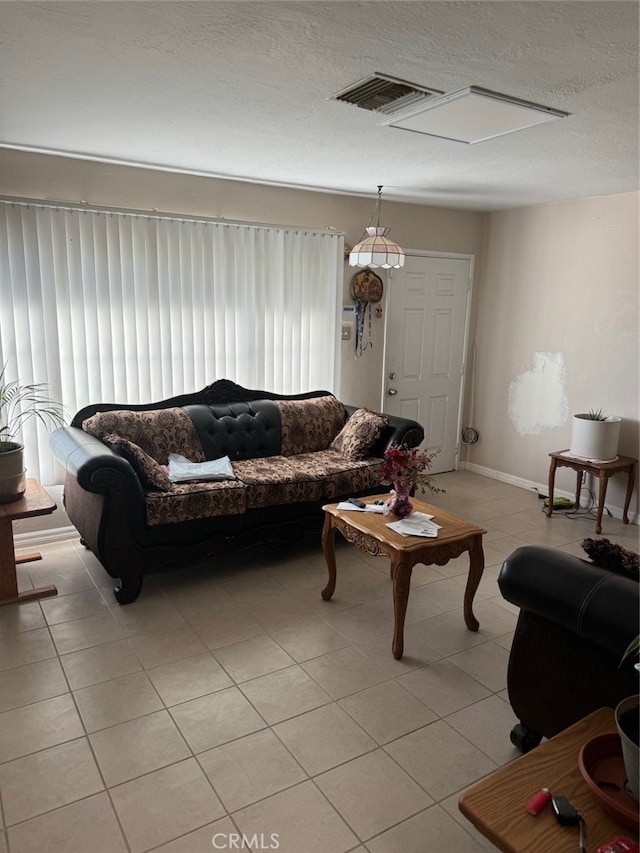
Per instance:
x=595, y=436
x=18, y=403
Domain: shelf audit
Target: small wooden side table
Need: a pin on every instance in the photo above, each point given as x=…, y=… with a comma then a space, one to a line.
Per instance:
x=496, y=806
x=35, y=501
x=369, y=533
x=603, y=470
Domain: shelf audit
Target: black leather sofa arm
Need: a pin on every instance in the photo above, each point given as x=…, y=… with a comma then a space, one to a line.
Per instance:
x=83, y=456
x=593, y=603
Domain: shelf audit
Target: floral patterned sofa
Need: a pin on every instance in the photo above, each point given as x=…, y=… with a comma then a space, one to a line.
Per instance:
x=290, y=454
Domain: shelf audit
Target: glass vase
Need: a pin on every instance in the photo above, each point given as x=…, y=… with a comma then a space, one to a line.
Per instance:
x=399, y=502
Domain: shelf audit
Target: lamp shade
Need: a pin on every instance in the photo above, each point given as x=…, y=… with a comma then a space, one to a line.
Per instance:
x=376, y=251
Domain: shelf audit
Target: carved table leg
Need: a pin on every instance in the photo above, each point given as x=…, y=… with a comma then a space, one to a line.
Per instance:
x=476, y=568
x=576, y=503
x=328, y=547
x=631, y=476
x=602, y=492
x=401, y=575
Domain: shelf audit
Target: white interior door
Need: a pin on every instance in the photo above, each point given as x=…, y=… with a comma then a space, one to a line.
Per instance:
x=427, y=310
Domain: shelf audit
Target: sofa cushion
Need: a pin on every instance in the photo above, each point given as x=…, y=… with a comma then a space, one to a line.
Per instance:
x=188, y=501
x=342, y=476
x=158, y=432
x=359, y=434
x=309, y=425
x=238, y=430
x=148, y=470
x=278, y=480
x=323, y=475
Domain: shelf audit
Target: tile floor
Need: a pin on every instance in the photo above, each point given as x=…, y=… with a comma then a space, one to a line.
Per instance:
x=230, y=699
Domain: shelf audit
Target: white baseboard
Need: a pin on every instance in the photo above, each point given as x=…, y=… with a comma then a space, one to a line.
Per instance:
x=45, y=537
x=543, y=488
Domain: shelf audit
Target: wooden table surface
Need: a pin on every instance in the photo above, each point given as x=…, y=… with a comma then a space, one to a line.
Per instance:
x=497, y=805
x=34, y=501
x=375, y=524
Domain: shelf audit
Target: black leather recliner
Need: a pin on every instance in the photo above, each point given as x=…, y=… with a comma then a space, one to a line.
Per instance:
x=576, y=621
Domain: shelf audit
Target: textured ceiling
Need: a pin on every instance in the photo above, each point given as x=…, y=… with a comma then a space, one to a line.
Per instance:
x=242, y=90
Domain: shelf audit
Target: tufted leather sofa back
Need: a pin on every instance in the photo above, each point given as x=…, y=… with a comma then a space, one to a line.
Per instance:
x=237, y=430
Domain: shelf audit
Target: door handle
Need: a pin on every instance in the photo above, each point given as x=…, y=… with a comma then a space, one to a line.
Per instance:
x=392, y=392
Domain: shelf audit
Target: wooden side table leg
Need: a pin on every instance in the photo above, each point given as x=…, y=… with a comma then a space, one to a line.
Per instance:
x=576, y=503
x=328, y=547
x=476, y=569
x=552, y=478
x=401, y=575
x=603, y=480
x=631, y=478
x=8, y=579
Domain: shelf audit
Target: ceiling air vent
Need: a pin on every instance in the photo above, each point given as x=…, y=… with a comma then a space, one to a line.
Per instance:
x=384, y=94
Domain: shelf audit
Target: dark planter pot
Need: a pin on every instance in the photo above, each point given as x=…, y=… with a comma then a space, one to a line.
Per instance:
x=12, y=480
x=627, y=723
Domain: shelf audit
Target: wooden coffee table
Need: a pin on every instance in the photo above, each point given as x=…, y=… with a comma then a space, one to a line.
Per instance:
x=35, y=501
x=496, y=806
x=369, y=533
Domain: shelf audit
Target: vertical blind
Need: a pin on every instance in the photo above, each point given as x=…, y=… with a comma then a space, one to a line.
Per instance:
x=107, y=306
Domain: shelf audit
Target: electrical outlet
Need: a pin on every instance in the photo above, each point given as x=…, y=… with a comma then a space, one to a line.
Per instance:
x=346, y=332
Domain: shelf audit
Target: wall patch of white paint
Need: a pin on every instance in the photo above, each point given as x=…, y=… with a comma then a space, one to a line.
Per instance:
x=537, y=398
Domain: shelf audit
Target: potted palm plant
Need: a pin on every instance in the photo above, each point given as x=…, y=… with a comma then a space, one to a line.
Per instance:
x=18, y=403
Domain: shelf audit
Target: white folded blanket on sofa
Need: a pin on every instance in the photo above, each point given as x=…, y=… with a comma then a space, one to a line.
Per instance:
x=182, y=469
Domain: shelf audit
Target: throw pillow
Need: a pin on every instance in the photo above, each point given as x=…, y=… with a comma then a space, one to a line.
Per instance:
x=158, y=432
x=615, y=558
x=359, y=433
x=150, y=473
x=309, y=425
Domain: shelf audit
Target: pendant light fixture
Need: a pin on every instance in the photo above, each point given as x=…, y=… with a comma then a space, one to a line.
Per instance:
x=375, y=250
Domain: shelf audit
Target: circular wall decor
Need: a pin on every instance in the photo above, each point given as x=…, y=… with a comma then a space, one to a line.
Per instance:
x=366, y=286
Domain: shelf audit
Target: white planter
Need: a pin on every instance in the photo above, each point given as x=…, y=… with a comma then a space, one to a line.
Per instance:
x=12, y=471
x=595, y=440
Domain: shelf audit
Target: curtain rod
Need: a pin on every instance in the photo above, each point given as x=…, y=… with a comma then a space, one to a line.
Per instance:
x=154, y=213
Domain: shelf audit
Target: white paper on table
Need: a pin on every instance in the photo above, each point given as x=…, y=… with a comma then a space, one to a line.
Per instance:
x=416, y=524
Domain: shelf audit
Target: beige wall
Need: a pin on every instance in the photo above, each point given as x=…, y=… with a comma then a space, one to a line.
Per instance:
x=42, y=176
x=557, y=333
